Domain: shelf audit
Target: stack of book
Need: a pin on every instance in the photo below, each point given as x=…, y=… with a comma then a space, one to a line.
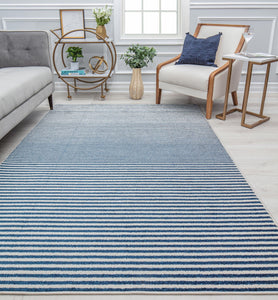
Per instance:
x=73, y=72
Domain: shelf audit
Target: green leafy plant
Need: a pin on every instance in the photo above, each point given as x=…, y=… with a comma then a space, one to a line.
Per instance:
x=102, y=15
x=74, y=53
x=138, y=56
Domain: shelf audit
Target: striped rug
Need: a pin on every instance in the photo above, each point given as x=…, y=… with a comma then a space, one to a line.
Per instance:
x=82, y=223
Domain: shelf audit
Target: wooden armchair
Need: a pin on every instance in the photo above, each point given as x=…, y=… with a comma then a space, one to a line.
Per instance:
x=205, y=82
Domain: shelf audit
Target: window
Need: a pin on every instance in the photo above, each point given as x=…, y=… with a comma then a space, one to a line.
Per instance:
x=159, y=18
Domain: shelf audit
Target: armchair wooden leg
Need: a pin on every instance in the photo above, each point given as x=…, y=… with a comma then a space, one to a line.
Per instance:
x=234, y=97
x=209, y=107
x=50, y=101
x=158, y=95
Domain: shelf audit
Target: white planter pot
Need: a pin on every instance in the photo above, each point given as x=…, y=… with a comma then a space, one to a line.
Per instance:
x=74, y=65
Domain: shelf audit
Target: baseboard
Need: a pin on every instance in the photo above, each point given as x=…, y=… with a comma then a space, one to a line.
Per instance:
x=118, y=87
x=258, y=87
x=123, y=87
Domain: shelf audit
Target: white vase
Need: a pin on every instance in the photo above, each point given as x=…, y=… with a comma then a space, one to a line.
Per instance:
x=136, y=87
x=74, y=65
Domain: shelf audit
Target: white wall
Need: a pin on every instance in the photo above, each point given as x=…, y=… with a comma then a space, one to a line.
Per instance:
x=261, y=15
x=44, y=14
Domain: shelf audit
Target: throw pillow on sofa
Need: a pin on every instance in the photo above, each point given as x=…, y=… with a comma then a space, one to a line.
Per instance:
x=199, y=51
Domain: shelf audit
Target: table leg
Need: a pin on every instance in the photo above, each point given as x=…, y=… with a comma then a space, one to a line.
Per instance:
x=245, y=99
x=265, y=89
x=246, y=92
x=75, y=89
x=69, y=96
x=222, y=116
x=106, y=87
x=102, y=96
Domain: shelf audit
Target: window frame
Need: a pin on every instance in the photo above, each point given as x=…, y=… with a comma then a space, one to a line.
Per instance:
x=182, y=24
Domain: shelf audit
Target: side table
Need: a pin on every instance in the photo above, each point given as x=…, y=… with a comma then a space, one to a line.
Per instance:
x=251, y=61
x=91, y=79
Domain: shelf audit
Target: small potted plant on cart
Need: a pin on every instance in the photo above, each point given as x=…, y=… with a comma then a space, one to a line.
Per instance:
x=74, y=53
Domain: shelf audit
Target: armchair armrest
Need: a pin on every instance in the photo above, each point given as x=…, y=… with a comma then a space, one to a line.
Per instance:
x=159, y=66
x=216, y=72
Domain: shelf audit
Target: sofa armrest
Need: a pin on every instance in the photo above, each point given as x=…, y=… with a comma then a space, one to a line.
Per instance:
x=24, y=48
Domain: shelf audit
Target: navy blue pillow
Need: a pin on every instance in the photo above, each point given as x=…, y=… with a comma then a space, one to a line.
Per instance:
x=199, y=51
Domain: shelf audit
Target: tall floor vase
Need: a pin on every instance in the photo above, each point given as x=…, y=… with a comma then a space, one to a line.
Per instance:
x=136, y=87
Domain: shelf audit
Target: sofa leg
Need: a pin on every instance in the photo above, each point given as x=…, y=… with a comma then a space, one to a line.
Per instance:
x=234, y=97
x=209, y=108
x=50, y=101
x=158, y=95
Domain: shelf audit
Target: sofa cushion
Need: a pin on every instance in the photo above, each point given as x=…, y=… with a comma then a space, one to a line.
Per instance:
x=24, y=48
x=190, y=76
x=18, y=84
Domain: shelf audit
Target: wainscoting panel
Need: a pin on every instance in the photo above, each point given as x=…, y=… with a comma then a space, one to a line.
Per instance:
x=262, y=16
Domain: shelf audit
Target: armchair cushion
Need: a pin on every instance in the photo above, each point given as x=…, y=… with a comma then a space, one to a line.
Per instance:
x=199, y=51
x=186, y=75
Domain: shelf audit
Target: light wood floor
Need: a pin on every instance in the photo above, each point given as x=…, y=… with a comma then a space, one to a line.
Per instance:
x=254, y=151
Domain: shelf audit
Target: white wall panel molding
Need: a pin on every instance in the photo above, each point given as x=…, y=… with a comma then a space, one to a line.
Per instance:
x=272, y=33
x=122, y=69
x=257, y=87
x=272, y=19
x=6, y=21
x=151, y=42
x=53, y=6
x=235, y=5
x=158, y=54
x=262, y=15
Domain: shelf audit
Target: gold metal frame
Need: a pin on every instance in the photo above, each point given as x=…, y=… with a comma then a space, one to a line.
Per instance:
x=96, y=81
x=63, y=25
x=244, y=110
x=95, y=69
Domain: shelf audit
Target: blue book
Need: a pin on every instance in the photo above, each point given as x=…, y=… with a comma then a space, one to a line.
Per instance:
x=73, y=72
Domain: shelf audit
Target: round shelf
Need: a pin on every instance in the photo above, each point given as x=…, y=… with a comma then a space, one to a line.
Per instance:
x=93, y=80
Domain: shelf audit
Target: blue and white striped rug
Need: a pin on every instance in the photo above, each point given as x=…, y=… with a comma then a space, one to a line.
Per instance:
x=131, y=199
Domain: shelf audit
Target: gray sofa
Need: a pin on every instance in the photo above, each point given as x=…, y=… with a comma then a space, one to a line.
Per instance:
x=25, y=75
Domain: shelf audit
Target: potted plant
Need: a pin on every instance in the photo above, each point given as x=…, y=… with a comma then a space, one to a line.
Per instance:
x=137, y=57
x=74, y=53
x=102, y=16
